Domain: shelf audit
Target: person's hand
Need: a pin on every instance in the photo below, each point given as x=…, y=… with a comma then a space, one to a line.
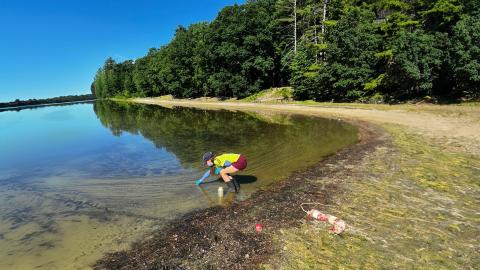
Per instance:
x=198, y=182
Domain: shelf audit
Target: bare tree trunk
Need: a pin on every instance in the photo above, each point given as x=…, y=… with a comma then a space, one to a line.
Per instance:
x=315, y=32
x=295, y=26
x=324, y=15
x=325, y=2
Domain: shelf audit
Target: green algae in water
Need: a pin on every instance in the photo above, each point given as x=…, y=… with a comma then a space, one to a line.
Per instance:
x=416, y=207
x=93, y=181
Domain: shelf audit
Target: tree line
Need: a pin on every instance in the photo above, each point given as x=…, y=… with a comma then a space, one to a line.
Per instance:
x=61, y=99
x=327, y=50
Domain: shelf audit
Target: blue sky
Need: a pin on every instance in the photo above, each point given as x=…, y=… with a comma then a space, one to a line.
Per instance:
x=51, y=48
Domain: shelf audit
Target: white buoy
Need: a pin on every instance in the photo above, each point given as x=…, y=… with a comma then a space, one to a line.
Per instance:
x=220, y=191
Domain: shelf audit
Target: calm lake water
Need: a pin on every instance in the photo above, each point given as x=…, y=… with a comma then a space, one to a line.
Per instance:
x=80, y=180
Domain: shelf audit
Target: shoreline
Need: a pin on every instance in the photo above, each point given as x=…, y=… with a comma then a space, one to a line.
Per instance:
x=225, y=236
x=25, y=107
x=455, y=125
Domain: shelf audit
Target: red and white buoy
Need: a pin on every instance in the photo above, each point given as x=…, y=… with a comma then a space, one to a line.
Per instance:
x=338, y=225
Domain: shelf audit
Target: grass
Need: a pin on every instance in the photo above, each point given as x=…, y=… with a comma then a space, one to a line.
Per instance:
x=271, y=95
x=469, y=109
x=411, y=205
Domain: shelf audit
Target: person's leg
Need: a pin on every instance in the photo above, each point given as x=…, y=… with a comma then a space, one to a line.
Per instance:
x=224, y=173
x=236, y=184
x=228, y=179
x=240, y=165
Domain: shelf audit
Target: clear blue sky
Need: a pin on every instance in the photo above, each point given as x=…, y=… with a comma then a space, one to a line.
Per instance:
x=52, y=48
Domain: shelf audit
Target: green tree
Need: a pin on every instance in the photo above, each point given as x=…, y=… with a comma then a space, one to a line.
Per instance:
x=465, y=53
x=184, y=70
x=441, y=15
x=415, y=65
x=350, y=60
x=141, y=77
x=327, y=50
x=242, y=54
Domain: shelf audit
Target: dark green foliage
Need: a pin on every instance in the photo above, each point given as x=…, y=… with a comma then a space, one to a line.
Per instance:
x=114, y=79
x=415, y=65
x=407, y=50
x=440, y=15
x=241, y=48
x=389, y=50
x=465, y=53
x=350, y=59
x=232, y=56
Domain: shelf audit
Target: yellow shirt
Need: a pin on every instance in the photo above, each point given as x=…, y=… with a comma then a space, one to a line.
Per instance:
x=219, y=161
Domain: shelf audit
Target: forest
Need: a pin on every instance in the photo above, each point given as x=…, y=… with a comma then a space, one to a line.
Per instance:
x=327, y=50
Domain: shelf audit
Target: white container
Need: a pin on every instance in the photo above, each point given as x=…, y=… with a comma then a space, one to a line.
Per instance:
x=220, y=191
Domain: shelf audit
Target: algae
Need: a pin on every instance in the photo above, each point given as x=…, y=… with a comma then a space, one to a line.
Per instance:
x=411, y=204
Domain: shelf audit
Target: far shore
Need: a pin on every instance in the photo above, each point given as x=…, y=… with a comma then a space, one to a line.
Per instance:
x=21, y=107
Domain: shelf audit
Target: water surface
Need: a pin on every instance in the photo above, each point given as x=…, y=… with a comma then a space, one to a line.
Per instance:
x=80, y=180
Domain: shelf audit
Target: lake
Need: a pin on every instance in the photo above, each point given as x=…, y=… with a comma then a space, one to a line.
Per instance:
x=80, y=180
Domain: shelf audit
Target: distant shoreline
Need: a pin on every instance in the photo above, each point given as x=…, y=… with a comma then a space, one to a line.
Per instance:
x=23, y=107
x=45, y=101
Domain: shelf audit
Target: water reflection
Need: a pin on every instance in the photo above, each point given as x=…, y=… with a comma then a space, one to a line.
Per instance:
x=70, y=191
x=276, y=140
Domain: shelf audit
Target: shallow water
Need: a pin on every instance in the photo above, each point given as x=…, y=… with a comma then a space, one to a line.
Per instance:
x=80, y=180
x=410, y=204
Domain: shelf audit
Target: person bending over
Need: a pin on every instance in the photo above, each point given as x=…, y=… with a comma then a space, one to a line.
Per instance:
x=224, y=165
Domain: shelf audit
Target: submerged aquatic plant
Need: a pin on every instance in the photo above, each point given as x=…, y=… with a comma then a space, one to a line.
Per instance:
x=411, y=204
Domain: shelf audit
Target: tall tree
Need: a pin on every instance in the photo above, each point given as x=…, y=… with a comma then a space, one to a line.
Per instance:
x=465, y=52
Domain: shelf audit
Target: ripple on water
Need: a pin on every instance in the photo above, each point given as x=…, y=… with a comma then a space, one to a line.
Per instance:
x=130, y=168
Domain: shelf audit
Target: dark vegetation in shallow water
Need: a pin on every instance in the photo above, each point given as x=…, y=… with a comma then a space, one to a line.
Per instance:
x=225, y=237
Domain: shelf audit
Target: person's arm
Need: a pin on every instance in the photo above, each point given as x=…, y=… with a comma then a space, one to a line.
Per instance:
x=205, y=176
x=213, y=170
